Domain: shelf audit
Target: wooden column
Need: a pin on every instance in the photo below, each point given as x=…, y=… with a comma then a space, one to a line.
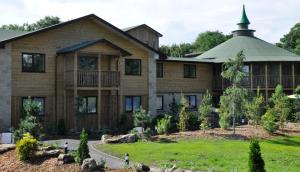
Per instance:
x=121, y=65
x=65, y=91
x=251, y=77
x=293, y=75
x=266, y=81
x=75, y=90
x=280, y=73
x=99, y=93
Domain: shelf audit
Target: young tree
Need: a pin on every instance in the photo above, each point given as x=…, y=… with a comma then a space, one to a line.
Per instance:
x=255, y=162
x=141, y=118
x=174, y=107
x=204, y=111
x=183, y=116
x=83, y=149
x=296, y=104
x=254, y=108
x=235, y=95
x=280, y=105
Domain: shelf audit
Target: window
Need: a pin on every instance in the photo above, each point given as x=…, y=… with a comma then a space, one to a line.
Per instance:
x=132, y=67
x=159, y=70
x=87, y=63
x=39, y=100
x=189, y=71
x=132, y=103
x=159, y=102
x=192, y=100
x=33, y=62
x=87, y=105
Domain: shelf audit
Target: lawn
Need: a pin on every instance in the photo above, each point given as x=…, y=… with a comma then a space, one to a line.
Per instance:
x=280, y=154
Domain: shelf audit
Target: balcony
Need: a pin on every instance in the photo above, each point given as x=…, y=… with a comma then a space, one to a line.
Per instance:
x=89, y=78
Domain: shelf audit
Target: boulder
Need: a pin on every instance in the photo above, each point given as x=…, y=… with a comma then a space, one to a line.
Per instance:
x=51, y=153
x=89, y=165
x=128, y=138
x=6, y=147
x=65, y=158
x=105, y=137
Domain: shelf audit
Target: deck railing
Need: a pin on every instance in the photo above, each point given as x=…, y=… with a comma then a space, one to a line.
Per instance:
x=89, y=78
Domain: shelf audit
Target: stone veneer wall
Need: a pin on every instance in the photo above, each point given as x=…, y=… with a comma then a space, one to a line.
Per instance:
x=152, y=83
x=5, y=88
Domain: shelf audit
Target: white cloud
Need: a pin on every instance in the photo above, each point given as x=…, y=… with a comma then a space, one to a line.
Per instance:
x=178, y=20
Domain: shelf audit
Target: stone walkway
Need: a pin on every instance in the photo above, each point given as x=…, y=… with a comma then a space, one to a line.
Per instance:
x=112, y=162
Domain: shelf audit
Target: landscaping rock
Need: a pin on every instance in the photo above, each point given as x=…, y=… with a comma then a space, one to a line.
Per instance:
x=128, y=138
x=89, y=165
x=6, y=147
x=51, y=153
x=65, y=158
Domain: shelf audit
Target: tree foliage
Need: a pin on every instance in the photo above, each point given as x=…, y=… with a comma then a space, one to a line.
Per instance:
x=42, y=23
x=203, y=42
x=269, y=121
x=204, y=111
x=163, y=125
x=254, y=108
x=83, y=149
x=280, y=105
x=234, y=96
x=141, y=118
x=255, y=162
x=291, y=40
x=183, y=115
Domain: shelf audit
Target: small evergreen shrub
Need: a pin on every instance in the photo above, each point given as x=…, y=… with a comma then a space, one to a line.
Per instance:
x=183, y=116
x=193, y=121
x=255, y=162
x=269, y=122
x=30, y=125
x=26, y=147
x=141, y=118
x=163, y=125
x=224, y=120
x=61, y=127
x=83, y=149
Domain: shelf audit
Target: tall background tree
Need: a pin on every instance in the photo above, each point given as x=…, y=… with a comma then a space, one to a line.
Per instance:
x=204, y=41
x=291, y=40
x=42, y=23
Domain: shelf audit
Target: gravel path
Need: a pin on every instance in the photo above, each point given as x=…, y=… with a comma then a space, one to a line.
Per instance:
x=111, y=161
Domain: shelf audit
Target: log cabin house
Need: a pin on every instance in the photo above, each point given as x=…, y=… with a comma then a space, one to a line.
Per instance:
x=89, y=67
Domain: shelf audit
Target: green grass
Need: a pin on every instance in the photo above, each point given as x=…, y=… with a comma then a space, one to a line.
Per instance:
x=280, y=154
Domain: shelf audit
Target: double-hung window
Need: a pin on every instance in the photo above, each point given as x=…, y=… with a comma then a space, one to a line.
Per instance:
x=192, y=101
x=33, y=62
x=189, y=70
x=87, y=105
x=159, y=70
x=39, y=101
x=132, y=103
x=132, y=67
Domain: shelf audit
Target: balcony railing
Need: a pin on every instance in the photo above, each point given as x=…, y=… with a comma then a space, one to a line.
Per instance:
x=89, y=78
x=260, y=81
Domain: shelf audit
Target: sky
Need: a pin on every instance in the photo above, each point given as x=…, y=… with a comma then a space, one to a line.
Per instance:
x=178, y=20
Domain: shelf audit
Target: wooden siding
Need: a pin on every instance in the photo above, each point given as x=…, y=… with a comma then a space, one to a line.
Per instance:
x=174, y=81
x=43, y=84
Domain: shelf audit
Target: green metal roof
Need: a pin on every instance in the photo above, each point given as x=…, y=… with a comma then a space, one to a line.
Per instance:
x=244, y=19
x=7, y=34
x=254, y=49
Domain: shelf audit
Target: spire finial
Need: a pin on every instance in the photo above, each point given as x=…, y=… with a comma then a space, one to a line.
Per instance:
x=244, y=19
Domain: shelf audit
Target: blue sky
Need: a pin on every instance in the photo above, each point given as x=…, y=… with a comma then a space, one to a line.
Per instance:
x=178, y=20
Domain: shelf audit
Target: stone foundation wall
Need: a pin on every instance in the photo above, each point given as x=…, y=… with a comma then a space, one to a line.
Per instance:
x=5, y=88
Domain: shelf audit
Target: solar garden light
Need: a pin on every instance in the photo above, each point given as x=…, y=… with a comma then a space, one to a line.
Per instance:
x=66, y=148
x=126, y=158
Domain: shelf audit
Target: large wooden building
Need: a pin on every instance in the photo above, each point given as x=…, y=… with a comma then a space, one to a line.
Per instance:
x=93, y=74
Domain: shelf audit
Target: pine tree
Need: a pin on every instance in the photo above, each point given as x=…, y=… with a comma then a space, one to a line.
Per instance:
x=204, y=111
x=254, y=108
x=83, y=149
x=255, y=162
x=183, y=116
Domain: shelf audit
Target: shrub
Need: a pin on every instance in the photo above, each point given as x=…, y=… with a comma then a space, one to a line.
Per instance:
x=26, y=147
x=141, y=118
x=83, y=149
x=174, y=107
x=224, y=119
x=255, y=162
x=61, y=127
x=204, y=111
x=183, y=116
x=163, y=125
x=30, y=125
x=193, y=121
x=269, y=122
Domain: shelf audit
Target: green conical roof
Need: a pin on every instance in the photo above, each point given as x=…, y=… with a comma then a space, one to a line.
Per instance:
x=244, y=19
